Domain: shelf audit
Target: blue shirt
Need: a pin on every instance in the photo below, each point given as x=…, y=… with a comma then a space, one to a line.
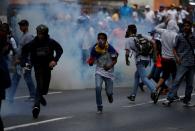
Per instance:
x=125, y=11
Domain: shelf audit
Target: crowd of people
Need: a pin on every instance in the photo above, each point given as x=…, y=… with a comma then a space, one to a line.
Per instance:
x=170, y=50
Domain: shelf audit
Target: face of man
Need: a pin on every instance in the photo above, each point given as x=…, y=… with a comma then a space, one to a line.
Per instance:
x=23, y=28
x=101, y=41
x=187, y=28
x=125, y=2
x=40, y=35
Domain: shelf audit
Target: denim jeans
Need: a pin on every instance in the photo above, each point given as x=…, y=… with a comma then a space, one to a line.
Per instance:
x=142, y=73
x=15, y=81
x=108, y=88
x=182, y=71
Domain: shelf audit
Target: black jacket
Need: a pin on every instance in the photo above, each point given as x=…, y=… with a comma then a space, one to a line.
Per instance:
x=41, y=52
x=4, y=72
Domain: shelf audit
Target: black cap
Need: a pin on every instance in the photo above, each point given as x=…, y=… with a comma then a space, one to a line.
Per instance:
x=42, y=29
x=23, y=23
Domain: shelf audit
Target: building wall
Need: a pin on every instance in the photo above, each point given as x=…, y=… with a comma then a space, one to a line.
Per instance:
x=142, y=2
x=167, y=3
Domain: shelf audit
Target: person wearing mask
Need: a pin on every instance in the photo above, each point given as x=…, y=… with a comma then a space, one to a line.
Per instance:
x=44, y=53
x=105, y=57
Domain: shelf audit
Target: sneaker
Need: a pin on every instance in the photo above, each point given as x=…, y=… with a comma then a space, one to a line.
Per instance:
x=181, y=98
x=167, y=103
x=176, y=98
x=99, y=111
x=110, y=98
x=43, y=101
x=187, y=104
x=35, y=112
x=131, y=98
x=156, y=97
x=153, y=96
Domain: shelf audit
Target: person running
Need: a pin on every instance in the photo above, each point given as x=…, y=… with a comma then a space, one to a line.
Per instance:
x=105, y=57
x=185, y=57
x=41, y=51
x=142, y=62
x=18, y=72
x=168, y=32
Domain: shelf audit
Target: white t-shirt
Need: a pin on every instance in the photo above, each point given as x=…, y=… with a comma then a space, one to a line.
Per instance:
x=105, y=59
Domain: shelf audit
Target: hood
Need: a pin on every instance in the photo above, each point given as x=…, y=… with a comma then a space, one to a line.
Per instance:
x=172, y=26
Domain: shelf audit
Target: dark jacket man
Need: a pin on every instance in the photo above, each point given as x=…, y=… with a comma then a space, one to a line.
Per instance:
x=41, y=51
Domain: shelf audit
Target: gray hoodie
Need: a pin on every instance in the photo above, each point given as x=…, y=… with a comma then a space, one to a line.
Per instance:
x=168, y=37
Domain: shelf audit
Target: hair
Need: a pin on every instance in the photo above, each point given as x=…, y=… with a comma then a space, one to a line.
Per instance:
x=132, y=28
x=186, y=21
x=102, y=34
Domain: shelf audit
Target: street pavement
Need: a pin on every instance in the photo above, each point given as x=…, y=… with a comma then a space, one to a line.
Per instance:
x=75, y=110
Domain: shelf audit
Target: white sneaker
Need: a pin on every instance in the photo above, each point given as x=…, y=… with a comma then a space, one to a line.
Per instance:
x=167, y=103
x=188, y=104
x=99, y=111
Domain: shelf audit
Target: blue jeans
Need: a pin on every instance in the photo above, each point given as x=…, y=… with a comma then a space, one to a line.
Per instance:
x=142, y=73
x=182, y=71
x=15, y=81
x=108, y=87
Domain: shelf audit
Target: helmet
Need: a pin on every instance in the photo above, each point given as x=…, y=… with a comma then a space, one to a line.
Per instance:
x=42, y=29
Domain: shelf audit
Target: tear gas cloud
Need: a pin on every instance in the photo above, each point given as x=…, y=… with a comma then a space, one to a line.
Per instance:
x=62, y=20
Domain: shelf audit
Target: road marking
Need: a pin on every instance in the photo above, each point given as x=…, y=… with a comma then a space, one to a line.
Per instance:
x=50, y=93
x=140, y=104
x=36, y=123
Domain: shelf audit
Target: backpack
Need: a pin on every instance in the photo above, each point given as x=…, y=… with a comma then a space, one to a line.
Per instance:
x=143, y=45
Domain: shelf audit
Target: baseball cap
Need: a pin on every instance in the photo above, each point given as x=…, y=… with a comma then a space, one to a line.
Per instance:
x=23, y=22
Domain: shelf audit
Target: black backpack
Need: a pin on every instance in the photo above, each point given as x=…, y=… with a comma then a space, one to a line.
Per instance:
x=143, y=45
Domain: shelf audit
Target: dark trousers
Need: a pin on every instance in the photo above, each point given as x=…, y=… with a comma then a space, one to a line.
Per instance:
x=1, y=122
x=43, y=76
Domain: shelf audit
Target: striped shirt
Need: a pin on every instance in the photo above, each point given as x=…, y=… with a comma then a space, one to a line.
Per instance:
x=184, y=50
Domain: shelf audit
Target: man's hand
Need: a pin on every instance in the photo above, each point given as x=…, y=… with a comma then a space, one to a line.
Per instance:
x=127, y=57
x=178, y=60
x=90, y=61
x=52, y=64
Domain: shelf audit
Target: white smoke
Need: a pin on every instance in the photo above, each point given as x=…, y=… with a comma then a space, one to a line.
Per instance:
x=70, y=73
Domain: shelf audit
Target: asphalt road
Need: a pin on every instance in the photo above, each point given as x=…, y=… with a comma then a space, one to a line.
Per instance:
x=76, y=111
